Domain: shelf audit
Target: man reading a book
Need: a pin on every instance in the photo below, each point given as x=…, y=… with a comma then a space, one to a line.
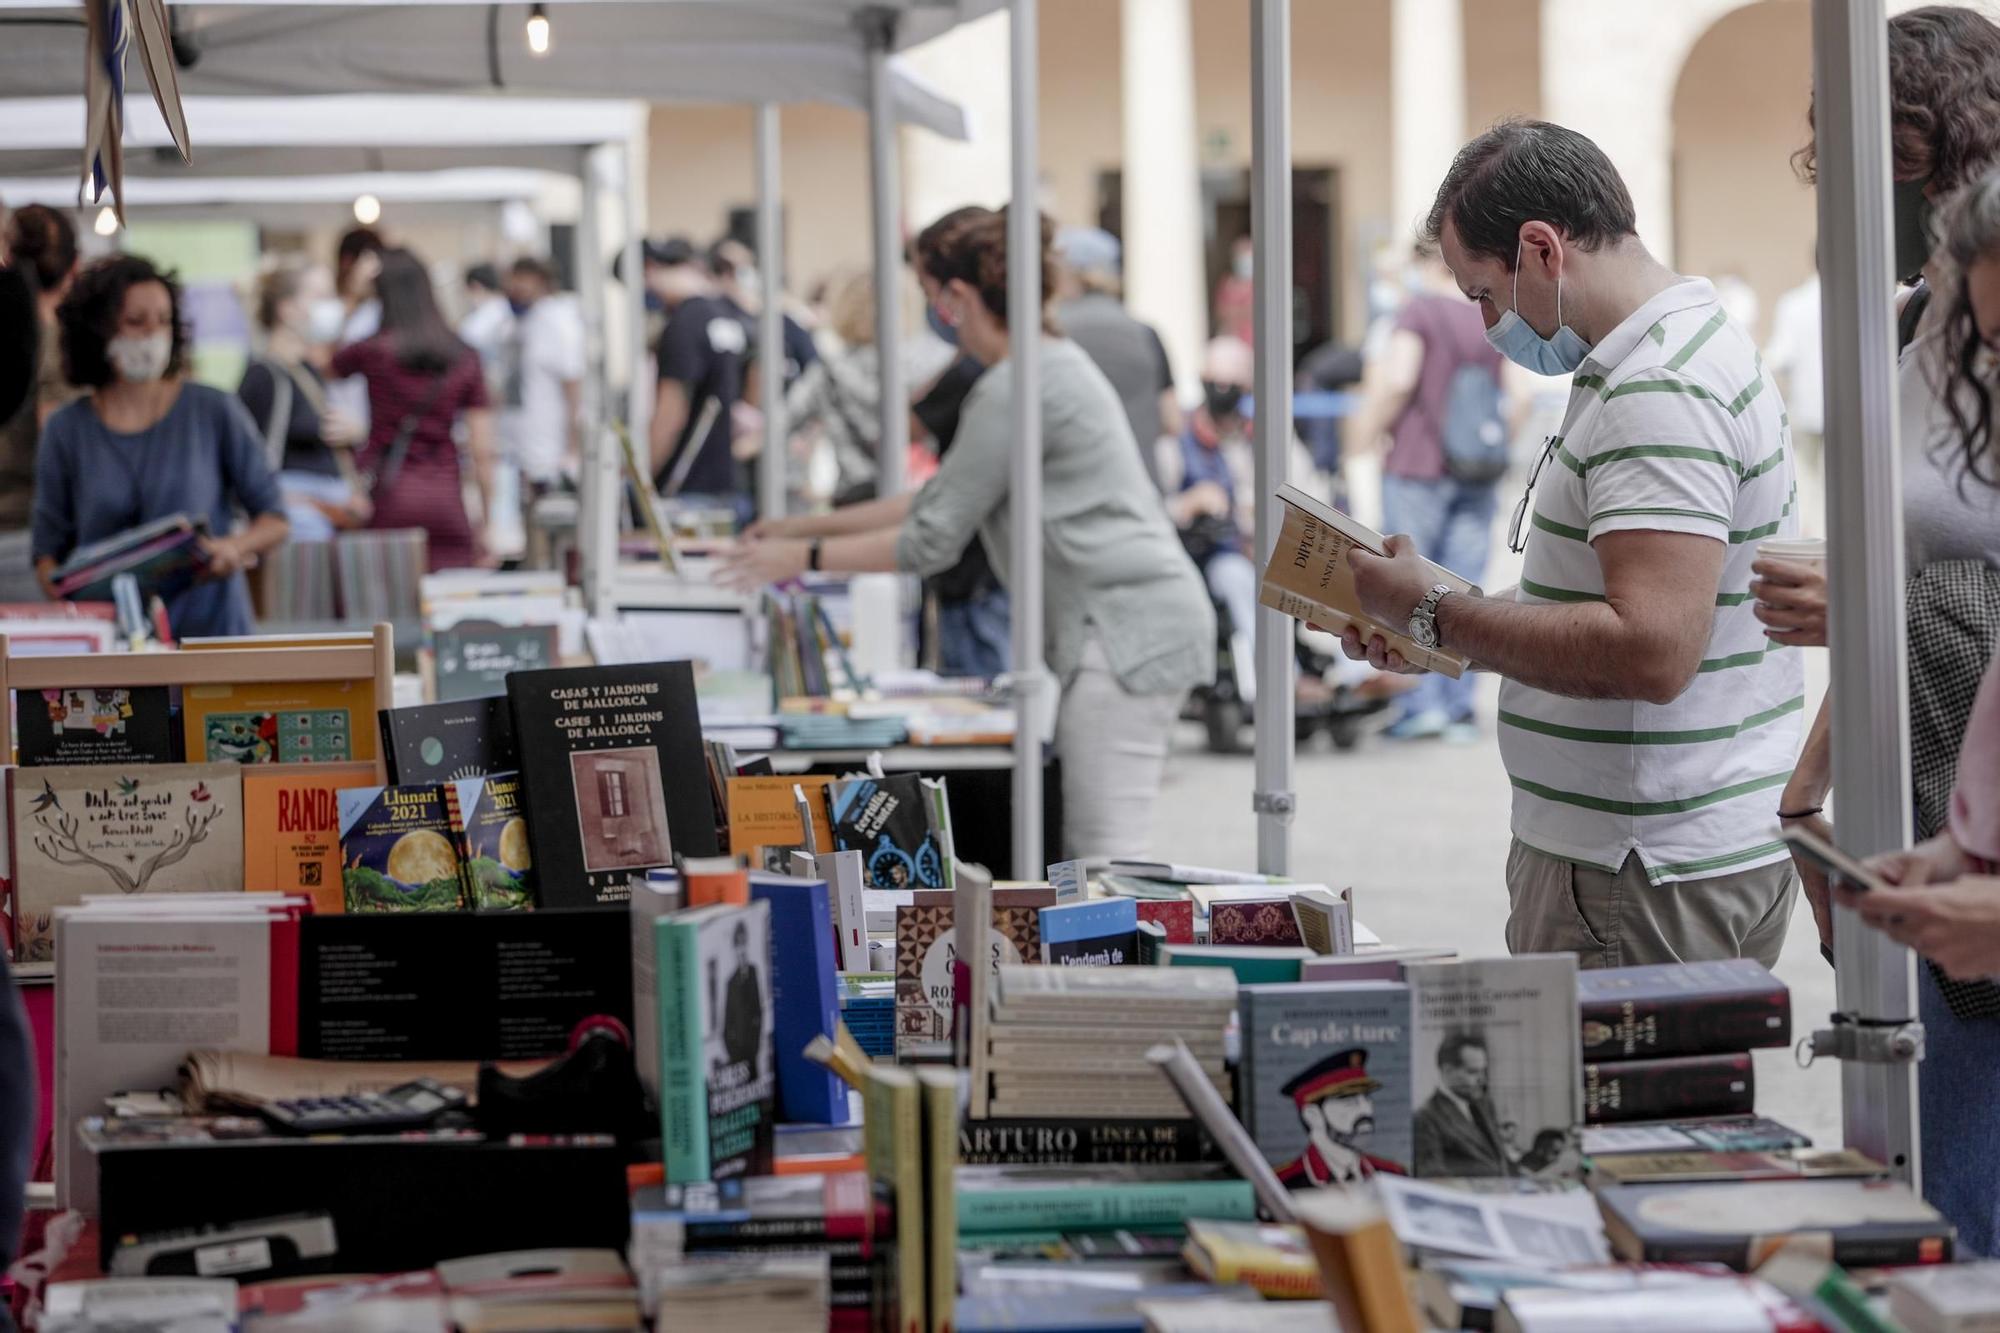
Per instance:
x=1646, y=722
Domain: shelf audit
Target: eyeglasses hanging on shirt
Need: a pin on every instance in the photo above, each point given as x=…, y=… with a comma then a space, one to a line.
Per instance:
x=1517, y=537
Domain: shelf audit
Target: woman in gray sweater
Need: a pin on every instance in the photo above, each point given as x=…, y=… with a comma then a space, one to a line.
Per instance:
x=1129, y=627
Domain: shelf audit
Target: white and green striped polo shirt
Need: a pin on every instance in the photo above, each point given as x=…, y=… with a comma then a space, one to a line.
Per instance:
x=1672, y=426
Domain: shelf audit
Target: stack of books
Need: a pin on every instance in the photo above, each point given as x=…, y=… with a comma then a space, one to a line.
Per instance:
x=1072, y=1041
x=1673, y=1041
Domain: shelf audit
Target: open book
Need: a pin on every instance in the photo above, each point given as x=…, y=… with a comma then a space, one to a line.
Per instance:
x=1309, y=579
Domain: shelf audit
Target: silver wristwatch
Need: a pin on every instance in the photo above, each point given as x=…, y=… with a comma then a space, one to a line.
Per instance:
x=1423, y=620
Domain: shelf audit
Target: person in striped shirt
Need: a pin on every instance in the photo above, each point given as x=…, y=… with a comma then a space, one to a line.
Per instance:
x=1647, y=724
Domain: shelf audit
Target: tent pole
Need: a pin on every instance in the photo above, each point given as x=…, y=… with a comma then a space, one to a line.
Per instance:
x=1871, y=742
x=640, y=385
x=1271, y=233
x=587, y=263
x=894, y=408
x=1024, y=324
x=771, y=318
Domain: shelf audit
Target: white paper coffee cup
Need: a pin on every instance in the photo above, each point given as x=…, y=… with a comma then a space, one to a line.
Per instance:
x=1799, y=550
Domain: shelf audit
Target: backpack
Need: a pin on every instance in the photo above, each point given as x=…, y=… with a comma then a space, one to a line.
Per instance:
x=1474, y=431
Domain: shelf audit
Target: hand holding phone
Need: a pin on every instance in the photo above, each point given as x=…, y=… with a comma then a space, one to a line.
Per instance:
x=1839, y=866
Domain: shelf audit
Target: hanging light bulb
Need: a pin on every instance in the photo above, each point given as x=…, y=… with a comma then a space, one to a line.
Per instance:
x=367, y=210
x=107, y=222
x=538, y=30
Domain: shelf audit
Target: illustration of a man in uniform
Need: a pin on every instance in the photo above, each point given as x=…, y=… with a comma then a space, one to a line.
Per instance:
x=1336, y=1104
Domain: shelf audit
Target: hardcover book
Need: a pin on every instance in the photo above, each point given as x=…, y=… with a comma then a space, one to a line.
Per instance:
x=449, y=741
x=110, y=829
x=1855, y=1223
x=494, y=858
x=1497, y=1080
x=1682, y=1009
x=620, y=782
x=805, y=995
x=1690, y=1167
x=399, y=849
x=1176, y=918
x=718, y=1084
x=95, y=726
x=473, y=658
x=1267, y=921
x=926, y=950
x=1252, y=964
x=1325, y=1079
x=291, y=830
x=897, y=824
x=1684, y=1085
x=1102, y=932
x=278, y=722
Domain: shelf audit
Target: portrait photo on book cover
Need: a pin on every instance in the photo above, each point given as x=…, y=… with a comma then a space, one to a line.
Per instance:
x=1485, y=1106
x=736, y=1048
x=621, y=810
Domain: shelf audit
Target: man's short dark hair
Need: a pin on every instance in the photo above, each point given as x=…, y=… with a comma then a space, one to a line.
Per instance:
x=1531, y=171
x=529, y=266
x=484, y=276
x=1456, y=1045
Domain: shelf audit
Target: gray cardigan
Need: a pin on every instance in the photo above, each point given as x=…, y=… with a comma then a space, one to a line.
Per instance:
x=1111, y=559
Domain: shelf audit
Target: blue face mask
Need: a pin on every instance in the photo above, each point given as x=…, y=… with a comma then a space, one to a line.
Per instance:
x=945, y=332
x=1516, y=339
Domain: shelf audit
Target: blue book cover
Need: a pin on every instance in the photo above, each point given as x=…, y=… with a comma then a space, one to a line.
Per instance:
x=1103, y=932
x=1325, y=1079
x=805, y=995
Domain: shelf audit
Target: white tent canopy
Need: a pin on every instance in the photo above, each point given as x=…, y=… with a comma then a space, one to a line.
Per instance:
x=470, y=185
x=681, y=50
x=322, y=136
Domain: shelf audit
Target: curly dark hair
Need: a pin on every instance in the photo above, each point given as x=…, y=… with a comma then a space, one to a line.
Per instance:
x=1970, y=233
x=44, y=240
x=88, y=317
x=1944, y=98
x=1530, y=171
x=974, y=251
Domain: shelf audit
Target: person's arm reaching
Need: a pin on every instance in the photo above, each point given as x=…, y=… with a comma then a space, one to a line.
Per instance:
x=670, y=410
x=865, y=516
x=480, y=446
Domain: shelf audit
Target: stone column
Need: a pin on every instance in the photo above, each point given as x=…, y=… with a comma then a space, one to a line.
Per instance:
x=1162, y=181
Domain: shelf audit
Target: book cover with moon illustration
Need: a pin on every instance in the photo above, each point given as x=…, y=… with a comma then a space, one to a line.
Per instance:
x=398, y=850
x=493, y=843
x=111, y=829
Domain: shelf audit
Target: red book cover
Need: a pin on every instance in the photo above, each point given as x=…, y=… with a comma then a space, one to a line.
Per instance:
x=1176, y=916
x=1265, y=922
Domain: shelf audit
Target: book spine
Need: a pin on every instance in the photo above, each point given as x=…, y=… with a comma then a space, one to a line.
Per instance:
x=1686, y=1024
x=1085, y=1142
x=912, y=1275
x=940, y=1112
x=683, y=1091
x=1274, y=1283
x=1621, y=1090
x=1097, y=1207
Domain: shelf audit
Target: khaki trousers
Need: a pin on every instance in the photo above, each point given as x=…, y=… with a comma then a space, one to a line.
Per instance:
x=1623, y=920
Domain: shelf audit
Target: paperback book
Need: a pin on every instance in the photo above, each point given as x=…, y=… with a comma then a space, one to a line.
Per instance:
x=110, y=829
x=279, y=722
x=95, y=726
x=900, y=826
x=1325, y=1078
x=1497, y=1078
x=399, y=849
x=291, y=830
x=718, y=1083
x=494, y=858
x=620, y=782
x=446, y=742
x=926, y=950
x=1093, y=933
x=805, y=995
x=1857, y=1223
x=764, y=812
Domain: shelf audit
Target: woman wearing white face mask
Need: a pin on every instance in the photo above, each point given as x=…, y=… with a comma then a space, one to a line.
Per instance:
x=147, y=443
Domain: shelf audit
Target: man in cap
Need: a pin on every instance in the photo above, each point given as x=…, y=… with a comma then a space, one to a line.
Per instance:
x=1336, y=1104
x=1131, y=355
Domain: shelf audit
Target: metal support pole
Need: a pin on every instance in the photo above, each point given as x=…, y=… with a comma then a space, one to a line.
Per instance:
x=639, y=386
x=1271, y=233
x=1024, y=325
x=1871, y=742
x=771, y=319
x=880, y=27
x=591, y=279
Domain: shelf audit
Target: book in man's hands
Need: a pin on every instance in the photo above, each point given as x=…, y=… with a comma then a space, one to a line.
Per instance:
x=1309, y=579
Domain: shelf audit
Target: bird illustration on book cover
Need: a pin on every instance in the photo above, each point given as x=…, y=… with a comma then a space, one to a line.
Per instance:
x=99, y=829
